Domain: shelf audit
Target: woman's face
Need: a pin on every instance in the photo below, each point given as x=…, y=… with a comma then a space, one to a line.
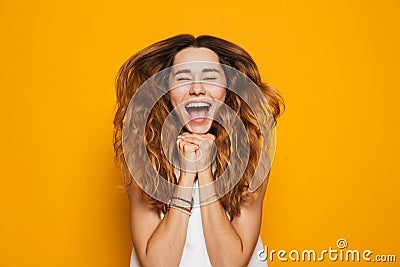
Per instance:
x=198, y=88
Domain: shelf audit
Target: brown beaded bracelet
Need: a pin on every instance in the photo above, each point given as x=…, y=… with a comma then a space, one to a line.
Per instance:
x=184, y=200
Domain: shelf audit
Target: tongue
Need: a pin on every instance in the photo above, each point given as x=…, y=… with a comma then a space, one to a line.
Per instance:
x=197, y=112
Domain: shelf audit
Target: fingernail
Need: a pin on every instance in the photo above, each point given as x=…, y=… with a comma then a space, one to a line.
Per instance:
x=181, y=136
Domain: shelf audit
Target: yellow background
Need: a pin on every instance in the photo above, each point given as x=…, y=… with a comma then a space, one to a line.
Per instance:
x=336, y=170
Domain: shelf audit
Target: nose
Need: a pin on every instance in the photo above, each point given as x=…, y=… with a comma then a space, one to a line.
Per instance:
x=197, y=88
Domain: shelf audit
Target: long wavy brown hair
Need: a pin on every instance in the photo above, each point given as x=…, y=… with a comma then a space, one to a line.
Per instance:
x=159, y=56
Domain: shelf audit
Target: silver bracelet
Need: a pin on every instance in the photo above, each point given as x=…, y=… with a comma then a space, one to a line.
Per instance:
x=181, y=209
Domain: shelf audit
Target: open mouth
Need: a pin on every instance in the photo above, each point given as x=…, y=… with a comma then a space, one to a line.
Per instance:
x=198, y=109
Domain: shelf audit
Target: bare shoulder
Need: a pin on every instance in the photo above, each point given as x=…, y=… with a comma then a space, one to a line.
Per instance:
x=255, y=206
x=260, y=198
x=144, y=219
x=138, y=203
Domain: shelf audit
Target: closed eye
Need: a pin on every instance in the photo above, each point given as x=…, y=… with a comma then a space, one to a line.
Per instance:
x=183, y=79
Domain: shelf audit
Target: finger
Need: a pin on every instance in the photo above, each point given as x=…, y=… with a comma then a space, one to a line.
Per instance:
x=194, y=135
x=199, y=136
x=186, y=146
x=191, y=139
x=206, y=143
x=208, y=135
x=178, y=142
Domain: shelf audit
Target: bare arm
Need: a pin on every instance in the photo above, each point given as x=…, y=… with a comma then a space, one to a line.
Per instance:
x=230, y=243
x=158, y=242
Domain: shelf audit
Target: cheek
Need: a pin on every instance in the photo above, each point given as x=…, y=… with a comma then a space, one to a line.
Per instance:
x=174, y=97
x=221, y=94
x=217, y=92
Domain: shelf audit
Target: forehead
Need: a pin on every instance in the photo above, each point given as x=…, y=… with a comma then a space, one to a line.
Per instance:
x=191, y=54
x=196, y=59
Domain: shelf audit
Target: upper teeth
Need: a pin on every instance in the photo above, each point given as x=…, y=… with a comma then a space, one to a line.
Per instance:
x=197, y=104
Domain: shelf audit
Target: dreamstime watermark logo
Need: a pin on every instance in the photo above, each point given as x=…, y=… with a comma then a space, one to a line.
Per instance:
x=340, y=253
x=153, y=96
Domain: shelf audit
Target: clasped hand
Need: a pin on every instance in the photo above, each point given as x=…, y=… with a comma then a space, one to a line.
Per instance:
x=196, y=152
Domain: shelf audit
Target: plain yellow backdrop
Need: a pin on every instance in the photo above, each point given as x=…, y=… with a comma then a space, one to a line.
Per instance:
x=336, y=170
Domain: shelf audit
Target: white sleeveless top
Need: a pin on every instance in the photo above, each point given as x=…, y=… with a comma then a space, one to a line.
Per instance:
x=195, y=251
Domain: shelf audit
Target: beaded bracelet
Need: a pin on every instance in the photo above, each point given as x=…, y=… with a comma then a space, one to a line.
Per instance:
x=184, y=200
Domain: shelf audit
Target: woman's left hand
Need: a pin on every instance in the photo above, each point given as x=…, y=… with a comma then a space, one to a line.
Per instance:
x=207, y=149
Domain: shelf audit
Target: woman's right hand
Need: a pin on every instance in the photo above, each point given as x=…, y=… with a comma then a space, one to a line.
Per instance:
x=187, y=158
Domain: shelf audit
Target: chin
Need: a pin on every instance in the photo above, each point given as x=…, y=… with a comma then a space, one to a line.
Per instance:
x=199, y=128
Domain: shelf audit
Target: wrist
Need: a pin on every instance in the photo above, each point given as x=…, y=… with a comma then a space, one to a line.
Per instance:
x=187, y=179
x=206, y=175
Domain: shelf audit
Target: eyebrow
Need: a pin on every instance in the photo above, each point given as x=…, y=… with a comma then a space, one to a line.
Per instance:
x=210, y=70
x=182, y=71
x=189, y=71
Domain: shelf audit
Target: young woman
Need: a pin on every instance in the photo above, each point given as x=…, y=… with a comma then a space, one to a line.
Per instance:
x=194, y=133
